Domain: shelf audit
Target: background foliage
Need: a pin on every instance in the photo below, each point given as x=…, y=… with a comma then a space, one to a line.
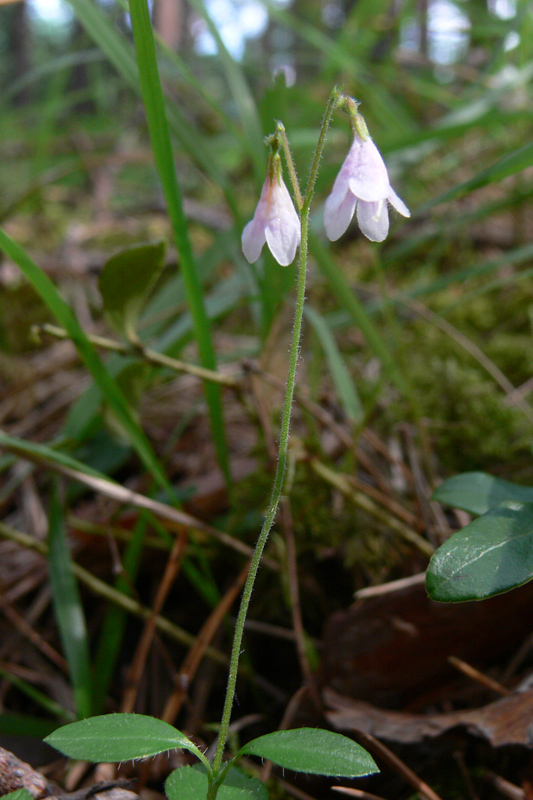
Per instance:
x=422, y=344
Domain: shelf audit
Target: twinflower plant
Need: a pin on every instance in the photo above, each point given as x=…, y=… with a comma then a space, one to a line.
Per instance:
x=124, y=737
x=362, y=185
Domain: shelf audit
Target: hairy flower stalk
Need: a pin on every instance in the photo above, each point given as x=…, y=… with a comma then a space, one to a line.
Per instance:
x=275, y=220
x=361, y=186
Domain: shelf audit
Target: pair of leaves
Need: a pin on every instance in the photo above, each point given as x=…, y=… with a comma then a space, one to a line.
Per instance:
x=492, y=554
x=123, y=737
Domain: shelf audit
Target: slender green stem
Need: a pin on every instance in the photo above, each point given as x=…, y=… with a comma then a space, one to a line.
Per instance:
x=290, y=165
x=276, y=494
x=330, y=108
x=282, y=457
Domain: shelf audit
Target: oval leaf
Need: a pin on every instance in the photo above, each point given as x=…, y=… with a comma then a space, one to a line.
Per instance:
x=478, y=492
x=190, y=783
x=18, y=794
x=118, y=737
x=126, y=280
x=492, y=554
x=313, y=750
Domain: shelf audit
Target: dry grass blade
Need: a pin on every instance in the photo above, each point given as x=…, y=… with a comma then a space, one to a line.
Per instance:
x=129, y=497
x=141, y=653
x=197, y=651
x=113, y=595
x=378, y=748
x=296, y=610
x=23, y=627
x=468, y=345
x=364, y=502
x=152, y=356
x=478, y=676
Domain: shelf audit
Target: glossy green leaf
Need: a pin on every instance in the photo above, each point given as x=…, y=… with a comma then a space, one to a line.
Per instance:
x=190, y=783
x=478, y=492
x=313, y=750
x=118, y=737
x=492, y=554
x=125, y=282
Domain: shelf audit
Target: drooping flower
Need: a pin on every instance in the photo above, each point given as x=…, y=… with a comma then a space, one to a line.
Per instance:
x=362, y=185
x=275, y=220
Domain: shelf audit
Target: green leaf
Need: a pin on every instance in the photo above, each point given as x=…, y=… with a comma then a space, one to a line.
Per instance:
x=69, y=610
x=190, y=783
x=313, y=750
x=492, y=554
x=125, y=282
x=20, y=794
x=478, y=492
x=118, y=737
x=186, y=783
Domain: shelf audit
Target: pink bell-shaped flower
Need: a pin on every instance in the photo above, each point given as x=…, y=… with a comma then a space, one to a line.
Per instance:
x=362, y=185
x=275, y=220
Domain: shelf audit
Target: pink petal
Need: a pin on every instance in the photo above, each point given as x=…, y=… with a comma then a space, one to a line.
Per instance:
x=282, y=230
x=373, y=219
x=253, y=239
x=366, y=171
x=338, y=213
x=397, y=203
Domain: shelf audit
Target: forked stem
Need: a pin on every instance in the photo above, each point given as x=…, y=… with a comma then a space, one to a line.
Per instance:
x=284, y=433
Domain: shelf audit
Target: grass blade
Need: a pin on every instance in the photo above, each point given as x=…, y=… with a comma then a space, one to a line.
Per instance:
x=160, y=138
x=341, y=377
x=358, y=313
x=68, y=610
x=113, y=45
x=242, y=96
x=113, y=626
x=37, y=696
x=510, y=164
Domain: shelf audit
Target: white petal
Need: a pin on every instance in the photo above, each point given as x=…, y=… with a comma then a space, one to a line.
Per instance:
x=398, y=203
x=368, y=177
x=253, y=239
x=283, y=227
x=373, y=219
x=283, y=242
x=338, y=215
